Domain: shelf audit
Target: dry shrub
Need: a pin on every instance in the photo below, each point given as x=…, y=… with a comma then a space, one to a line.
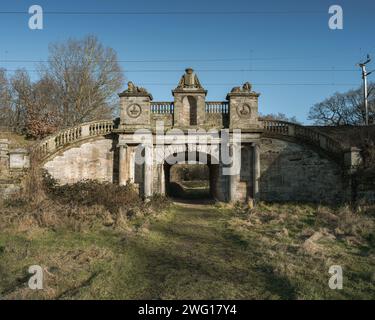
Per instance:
x=158, y=203
x=76, y=206
x=346, y=222
x=91, y=192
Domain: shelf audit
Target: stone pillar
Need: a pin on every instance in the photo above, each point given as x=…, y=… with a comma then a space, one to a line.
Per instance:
x=256, y=173
x=123, y=165
x=148, y=171
x=4, y=157
x=235, y=169
x=189, y=101
x=135, y=107
x=352, y=161
x=243, y=108
x=131, y=164
x=185, y=100
x=232, y=188
x=161, y=175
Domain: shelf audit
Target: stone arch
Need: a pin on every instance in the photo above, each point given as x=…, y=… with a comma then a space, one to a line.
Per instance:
x=216, y=182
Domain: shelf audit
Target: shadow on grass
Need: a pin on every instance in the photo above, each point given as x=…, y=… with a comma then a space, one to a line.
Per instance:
x=195, y=260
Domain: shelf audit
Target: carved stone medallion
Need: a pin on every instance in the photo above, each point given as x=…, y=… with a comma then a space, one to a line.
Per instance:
x=134, y=111
x=244, y=111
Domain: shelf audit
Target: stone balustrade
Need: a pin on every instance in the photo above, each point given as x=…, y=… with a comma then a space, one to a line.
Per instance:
x=276, y=127
x=217, y=107
x=162, y=107
x=62, y=138
x=167, y=107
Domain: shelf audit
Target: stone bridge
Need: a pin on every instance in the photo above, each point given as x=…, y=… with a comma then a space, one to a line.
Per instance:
x=269, y=160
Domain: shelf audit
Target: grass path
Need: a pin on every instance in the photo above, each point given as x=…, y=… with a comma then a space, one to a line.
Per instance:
x=193, y=251
x=192, y=255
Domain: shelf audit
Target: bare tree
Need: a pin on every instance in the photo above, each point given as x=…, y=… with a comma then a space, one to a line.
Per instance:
x=85, y=77
x=21, y=89
x=344, y=109
x=6, y=112
x=280, y=116
x=34, y=109
x=79, y=83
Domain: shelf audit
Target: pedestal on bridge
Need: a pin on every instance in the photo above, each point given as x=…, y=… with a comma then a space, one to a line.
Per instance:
x=135, y=109
x=243, y=109
x=189, y=107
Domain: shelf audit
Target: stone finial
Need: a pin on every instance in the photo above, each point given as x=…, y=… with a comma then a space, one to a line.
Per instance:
x=189, y=80
x=134, y=90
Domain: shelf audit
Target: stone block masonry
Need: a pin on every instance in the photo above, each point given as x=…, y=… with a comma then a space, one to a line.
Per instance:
x=278, y=161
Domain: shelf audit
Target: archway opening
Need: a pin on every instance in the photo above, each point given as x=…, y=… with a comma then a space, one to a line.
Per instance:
x=192, y=179
x=189, y=181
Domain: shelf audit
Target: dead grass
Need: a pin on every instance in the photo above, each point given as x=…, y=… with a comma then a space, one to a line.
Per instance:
x=300, y=242
x=93, y=244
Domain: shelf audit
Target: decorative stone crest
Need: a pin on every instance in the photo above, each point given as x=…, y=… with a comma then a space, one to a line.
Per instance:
x=189, y=80
x=244, y=110
x=134, y=111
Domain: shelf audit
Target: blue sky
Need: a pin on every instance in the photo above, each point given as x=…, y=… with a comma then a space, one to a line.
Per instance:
x=269, y=45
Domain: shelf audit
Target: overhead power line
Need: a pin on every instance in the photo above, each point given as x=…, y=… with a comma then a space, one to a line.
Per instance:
x=187, y=60
x=209, y=70
x=119, y=13
x=259, y=84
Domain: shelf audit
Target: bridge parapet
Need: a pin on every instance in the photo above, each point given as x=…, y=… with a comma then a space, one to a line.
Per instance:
x=162, y=107
x=316, y=138
x=217, y=107
x=67, y=136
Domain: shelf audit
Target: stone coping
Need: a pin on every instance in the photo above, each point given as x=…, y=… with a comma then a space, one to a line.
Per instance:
x=189, y=91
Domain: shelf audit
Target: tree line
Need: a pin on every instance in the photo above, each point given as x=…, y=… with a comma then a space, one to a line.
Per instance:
x=344, y=108
x=78, y=83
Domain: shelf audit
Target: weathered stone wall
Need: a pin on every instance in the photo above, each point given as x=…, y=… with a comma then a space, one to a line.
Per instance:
x=365, y=193
x=167, y=120
x=218, y=183
x=245, y=183
x=216, y=120
x=89, y=160
x=293, y=172
x=4, y=158
x=13, y=167
x=364, y=187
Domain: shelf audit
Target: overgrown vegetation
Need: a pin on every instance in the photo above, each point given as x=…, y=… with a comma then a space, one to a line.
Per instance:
x=101, y=241
x=45, y=204
x=192, y=251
